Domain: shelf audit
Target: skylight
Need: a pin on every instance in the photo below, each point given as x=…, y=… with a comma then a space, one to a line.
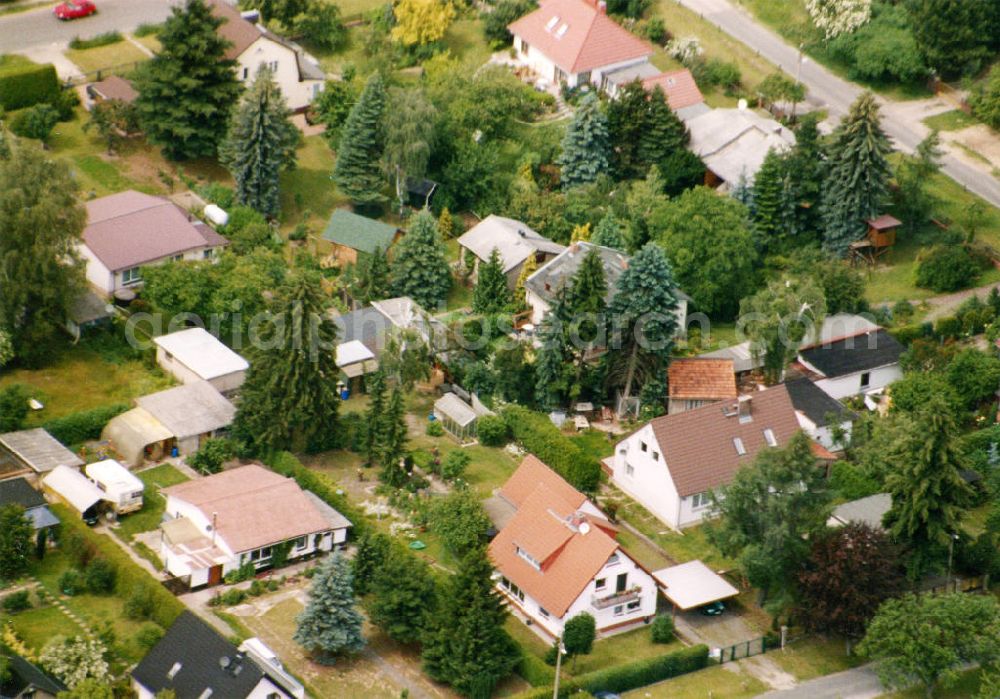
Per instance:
x=551, y=24
x=769, y=437
x=561, y=31
x=740, y=449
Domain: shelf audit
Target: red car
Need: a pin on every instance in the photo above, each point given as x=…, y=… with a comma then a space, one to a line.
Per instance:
x=74, y=9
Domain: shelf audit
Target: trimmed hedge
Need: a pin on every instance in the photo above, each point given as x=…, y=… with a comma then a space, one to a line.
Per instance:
x=25, y=84
x=287, y=464
x=77, y=428
x=622, y=678
x=536, y=433
x=534, y=671
x=128, y=576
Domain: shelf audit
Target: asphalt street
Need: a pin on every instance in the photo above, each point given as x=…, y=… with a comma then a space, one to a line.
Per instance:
x=859, y=683
x=38, y=28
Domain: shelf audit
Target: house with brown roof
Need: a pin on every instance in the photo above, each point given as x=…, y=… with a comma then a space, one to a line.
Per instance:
x=131, y=230
x=673, y=463
x=694, y=382
x=557, y=556
x=252, y=45
x=213, y=525
x=576, y=43
x=681, y=91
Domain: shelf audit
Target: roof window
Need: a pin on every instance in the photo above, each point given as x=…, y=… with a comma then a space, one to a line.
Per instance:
x=561, y=31
x=551, y=24
x=740, y=448
x=769, y=437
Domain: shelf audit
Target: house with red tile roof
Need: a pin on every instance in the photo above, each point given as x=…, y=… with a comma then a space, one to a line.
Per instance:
x=557, y=556
x=681, y=91
x=130, y=230
x=576, y=43
x=694, y=382
x=673, y=463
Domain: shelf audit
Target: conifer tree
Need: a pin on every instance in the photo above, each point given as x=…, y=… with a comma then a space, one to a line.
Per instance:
x=644, y=304
x=805, y=175
x=663, y=143
x=372, y=283
x=187, y=91
x=446, y=224
x=260, y=144
x=551, y=379
x=362, y=142
x=404, y=596
x=289, y=399
x=491, y=294
x=393, y=445
x=469, y=648
x=626, y=125
x=768, y=199
x=588, y=288
x=420, y=269
x=609, y=233
x=585, y=146
x=857, y=178
x=586, y=327
x=374, y=416
x=330, y=624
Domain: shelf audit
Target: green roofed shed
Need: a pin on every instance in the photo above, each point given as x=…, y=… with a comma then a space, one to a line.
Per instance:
x=348, y=231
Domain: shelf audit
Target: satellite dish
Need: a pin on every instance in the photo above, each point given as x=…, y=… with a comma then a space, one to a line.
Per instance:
x=584, y=527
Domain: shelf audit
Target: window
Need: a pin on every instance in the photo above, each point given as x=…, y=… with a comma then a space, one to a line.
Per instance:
x=273, y=65
x=246, y=73
x=740, y=449
x=656, y=456
x=629, y=470
x=551, y=24
x=643, y=446
x=261, y=555
x=632, y=606
x=208, y=254
x=525, y=47
x=177, y=258
x=130, y=276
x=866, y=380
x=619, y=610
x=612, y=560
x=692, y=404
x=699, y=500
x=769, y=437
x=600, y=583
x=300, y=543
x=544, y=612
x=512, y=588
x=529, y=558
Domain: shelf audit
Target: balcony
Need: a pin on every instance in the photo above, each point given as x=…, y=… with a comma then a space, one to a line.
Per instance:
x=616, y=598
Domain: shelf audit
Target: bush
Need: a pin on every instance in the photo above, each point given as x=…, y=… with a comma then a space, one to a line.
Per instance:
x=24, y=83
x=100, y=577
x=244, y=572
x=100, y=40
x=148, y=29
x=17, y=602
x=229, y=598
x=454, y=465
x=71, y=583
x=945, y=268
x=257, y=588
x=35, y=122
x=492, y=431
x=534, y=671
x=662, y=630
x=536, y=433
x=149, y=635
x=140, y=603
x=850, y=483
x=212, y=454
x=85, y=425
x=215, y=193
x=434, y=429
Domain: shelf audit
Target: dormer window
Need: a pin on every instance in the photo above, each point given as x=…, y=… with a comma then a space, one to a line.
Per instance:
x=613, y=560
x=769, y=437
x=529, y=558
x=740, y=448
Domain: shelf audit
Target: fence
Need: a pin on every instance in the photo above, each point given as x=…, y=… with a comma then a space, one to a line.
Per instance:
x=100, y=74
x=956, y=584
x=744, y=649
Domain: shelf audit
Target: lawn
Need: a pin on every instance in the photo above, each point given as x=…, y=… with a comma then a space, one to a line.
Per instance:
x=153, y=503
x=119, y=57
x=309, y=187
x=36, y=627
x=966, y=686
x=81, y=378
x=955, y=120
x=813, y=656
x=466, y=42
x=726, y=682
x=354, y=9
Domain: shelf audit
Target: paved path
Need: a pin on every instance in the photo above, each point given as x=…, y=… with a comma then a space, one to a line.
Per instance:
x=835, y=94
x=859, y=683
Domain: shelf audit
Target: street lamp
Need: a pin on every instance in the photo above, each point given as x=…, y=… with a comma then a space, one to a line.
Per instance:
x=560, y=652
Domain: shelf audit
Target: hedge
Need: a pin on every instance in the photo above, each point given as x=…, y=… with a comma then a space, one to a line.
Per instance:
x=622, y=678
x=534, y=670
x=85, y=425
x=287, y=464
x=536, y=433
x=24, y=83
x=128, y=575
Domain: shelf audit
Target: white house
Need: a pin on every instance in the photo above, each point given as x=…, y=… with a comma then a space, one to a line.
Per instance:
x=252, y=45
x=556, y=556
x=515, y=242
x=130, y=230
x=194, y=661
x=120, y=486
x=671, y=464
x=575, y=42
x=218, y=523
x=195, y=354
x=853, y=365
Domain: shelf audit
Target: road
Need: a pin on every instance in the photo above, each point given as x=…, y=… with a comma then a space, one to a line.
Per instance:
x=834, y=93
x=38, y=28
x=859, y=683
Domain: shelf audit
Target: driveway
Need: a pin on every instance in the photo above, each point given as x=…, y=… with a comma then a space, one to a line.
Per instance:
x=38, y=29
x=836, y=94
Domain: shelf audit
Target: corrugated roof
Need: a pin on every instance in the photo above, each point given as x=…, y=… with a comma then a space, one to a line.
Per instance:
x=132, y=431
x=741, y=356
x=698, y=446
x=39, y=449
x=693, y=584
x=694, y=378
x=17, y=491
x=359, y=232
x=869, y=510
x=253, y=506
x=578, y=37
x=734, y=142
x=189, y=410
x=515, y=241
x=679, y=86
x=202, y=353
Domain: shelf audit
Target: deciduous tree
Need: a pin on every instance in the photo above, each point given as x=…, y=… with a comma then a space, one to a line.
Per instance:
x=113, y=120
x=16, y=532
x=331, y=623
x=461, y=522
x=958, y=37
x=422, y=22
x=409, y=130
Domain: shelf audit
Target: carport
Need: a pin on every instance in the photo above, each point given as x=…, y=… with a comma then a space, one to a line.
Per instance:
x=693, y=584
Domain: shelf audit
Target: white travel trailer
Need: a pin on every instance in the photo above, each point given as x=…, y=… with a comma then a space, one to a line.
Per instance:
x=119, y=486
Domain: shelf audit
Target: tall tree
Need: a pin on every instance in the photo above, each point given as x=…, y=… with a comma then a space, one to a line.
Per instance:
x=41, y=224
x=362, y=144
x=469, y=648
x=331, y=623
x=409, y=129
x=491, y=294
x=769, y=513
x=585, y=146
x=644, y=200
x=551, y=375
x=372, y=282
x=460, y=521
x=778, y=318
x=289, y=399
x=926, y=484
x=957, y=37
x=13, y=407
x=16, y=532
x=857, y=180
x=913, y=200
x=626, y=125
x=260, y=144
x=609, y=233
x=404, y=596
x=663, y=143
x=392, y=447
x=805, y=173
x=187, y=91
x=770, y=218
x=850, y=571
x=643, y=317
x=374, y=416
x=419, y=268
x=422, y=22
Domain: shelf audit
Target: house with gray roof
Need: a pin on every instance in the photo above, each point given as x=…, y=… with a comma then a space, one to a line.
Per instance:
x=32, y=454
x=869, y=510
x=17, y=491
x=515, y=241
x=349, y=235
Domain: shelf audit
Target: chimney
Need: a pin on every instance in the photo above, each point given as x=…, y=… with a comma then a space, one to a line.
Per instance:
x=743, y=408
x=602, y=7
